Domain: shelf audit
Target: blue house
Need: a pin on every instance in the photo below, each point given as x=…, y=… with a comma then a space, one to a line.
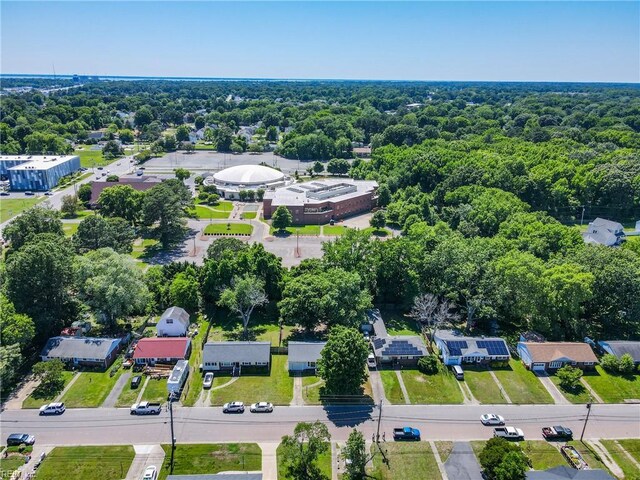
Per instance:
x=620, y=347
x=457, y=349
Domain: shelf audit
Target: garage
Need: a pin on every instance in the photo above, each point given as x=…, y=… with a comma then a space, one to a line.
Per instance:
x=538, y=367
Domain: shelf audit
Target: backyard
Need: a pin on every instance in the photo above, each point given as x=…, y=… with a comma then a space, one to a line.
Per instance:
x=263, y=326
x=324, y=463
x=211, y=458
x=439, y=388
x=80, y=463
x=90, y=389
x=522, y=386
x=613, y=388
x=406, y=461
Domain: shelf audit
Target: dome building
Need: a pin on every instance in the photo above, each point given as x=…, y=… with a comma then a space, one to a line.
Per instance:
x=232, y=180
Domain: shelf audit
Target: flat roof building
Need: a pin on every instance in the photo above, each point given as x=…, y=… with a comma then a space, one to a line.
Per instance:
x=318, y=202
x=37, y=172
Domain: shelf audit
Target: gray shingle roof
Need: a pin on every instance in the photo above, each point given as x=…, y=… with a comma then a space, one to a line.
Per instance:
x=620, y=347
x=177, y=314
x=305, y=351
x=237, y=352
x=565, y=472
x=394, y=345
x=79, y=347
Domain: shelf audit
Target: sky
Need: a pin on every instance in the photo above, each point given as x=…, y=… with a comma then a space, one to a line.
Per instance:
x=584, y=41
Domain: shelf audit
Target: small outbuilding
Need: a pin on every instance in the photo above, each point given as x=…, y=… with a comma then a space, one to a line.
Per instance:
x=550, y=356
x=174, y=322
x=304, y=356
x=235, y=355
x=82, y=351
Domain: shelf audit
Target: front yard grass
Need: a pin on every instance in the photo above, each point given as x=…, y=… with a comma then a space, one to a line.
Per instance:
x=211, y=458
x=543, y=455
x=276, y=388
x=577, y=395
x=613, y=388
x=407, y=461
x=482, y=385
x=9, y=465
x=80, y=463
x=129, y=395
x=156, y=391
x=632, y=446
x=90, y=390
x=323, y=462
x=334, y=230
x=311, y=389
x=301, y=230
x=444, y=450
x=522, y=386
x=38, y=398
x=391, y=386
x=618, y=455
x=10, y=207
x=439, y=388
x=229, y=229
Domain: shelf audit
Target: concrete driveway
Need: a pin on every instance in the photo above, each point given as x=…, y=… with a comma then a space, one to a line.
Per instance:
x=462, y=463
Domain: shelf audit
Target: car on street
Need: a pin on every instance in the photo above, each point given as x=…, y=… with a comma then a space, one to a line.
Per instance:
x=52, y=409
x=261, y=407
x=406, y=433
x=17, y=439
x=100, y=168
x=557, y=432
x=4, y=194
x=492, y=419
x=104, y=174
x=371, y=361
x=150, y=473
x=29, y=193
x=208, y=380
x=233, y=407
x=508, y=433
x=145, y=408
x=48, y=193
x=118, y=164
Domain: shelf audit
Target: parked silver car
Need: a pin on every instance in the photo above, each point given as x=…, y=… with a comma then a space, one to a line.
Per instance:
x=233, y=407
x=261, y=407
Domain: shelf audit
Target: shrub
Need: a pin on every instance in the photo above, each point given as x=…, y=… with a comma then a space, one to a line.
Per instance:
x=569, y=377
x=626, y=364
x=610, y=363
x=428, y=365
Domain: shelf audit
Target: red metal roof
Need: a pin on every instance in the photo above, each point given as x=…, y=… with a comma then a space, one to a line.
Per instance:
x=161, y=348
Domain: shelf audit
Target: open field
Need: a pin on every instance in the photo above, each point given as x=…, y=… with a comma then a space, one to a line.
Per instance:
x=391, y=385
x=91, y=158
x=90, y=390
x=522, y=386
x=229, y=229
x=10, y=207
x=211, y=458
x=543, y=455
x=36, y=399
x=324, y=464
x=617, y=453
x=276, y=388
x=613, y=388
x=406, y=461
x=439, y=388
x=482, y=385
x=80, y=463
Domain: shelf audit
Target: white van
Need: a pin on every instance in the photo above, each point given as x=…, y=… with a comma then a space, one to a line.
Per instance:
x=458, y=372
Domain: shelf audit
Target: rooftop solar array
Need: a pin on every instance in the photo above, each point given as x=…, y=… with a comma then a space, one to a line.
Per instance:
x=378, y=343
x=401, y=347
x=456, y=346
x=494, y=347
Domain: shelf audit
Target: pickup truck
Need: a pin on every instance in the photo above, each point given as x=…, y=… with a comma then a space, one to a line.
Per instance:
x=510, y=433
x=406, y=433
x=557, y=432
x=146, y=408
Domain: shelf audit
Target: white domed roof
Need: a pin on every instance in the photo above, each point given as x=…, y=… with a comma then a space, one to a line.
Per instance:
x=248, y=175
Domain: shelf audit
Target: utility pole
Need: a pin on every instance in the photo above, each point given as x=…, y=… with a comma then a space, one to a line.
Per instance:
x=587, y=417
x=173, y=438
x=379, y=418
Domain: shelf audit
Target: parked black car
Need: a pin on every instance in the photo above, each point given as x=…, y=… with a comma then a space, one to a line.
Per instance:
x=17, y=439
x=135, y=381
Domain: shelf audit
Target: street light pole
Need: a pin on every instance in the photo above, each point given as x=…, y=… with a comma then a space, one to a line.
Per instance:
x=584, y=427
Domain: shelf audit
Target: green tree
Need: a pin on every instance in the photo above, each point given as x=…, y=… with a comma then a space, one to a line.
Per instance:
x=342, y=362
x=163, y=211
x=96, y=232
x=242, y=297
x=494, y=452
x=318, y=167
x=355, y=450
x=259, y=194
x=111, y=284
x=182, y=133
x=143, y=117
x=126, y=135
x=113, y=178
x=219, y=246
x=301, y=450
x=627, y=364
x=281, y=218
x=112, y=149
x=84, y=193
x=384, y=195
x=121, y=201
x=32, y=222
x=14, y=327
x=610, y=363
x=378, y=220
x=338, y=166
x=184, y=292
x=199, y=122
x=429, y=364
x=50, y=375
x=10, y=362
x=69, y=206
x=513, y=466
x=569, y=377
x=182, y=174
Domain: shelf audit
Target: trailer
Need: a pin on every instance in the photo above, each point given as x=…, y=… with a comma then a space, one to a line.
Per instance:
x=178, y=377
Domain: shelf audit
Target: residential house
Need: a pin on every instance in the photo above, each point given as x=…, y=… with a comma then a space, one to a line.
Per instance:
x=620, y=347
x=303, y=356
x=550, y=356
x=162, y=350
x=83, y=351
x=565, y=472
x=605, y=232
x=96, y=135
x=394, y=349
x=174, y=322
x=457, y=349
x=362, y=152
x=235, y=355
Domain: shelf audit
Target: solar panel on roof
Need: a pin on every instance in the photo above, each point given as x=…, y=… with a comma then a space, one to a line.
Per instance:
x=456, y=346
x=494, y=347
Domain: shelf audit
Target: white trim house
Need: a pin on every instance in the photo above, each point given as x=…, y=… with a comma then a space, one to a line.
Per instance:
x=304, y=356
x=456, y=349
x=174, y=322
x=232, y=355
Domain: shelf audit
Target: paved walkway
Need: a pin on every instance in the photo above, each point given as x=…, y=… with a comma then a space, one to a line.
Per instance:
x=334, y=461
x=502, y=390
x=462, y=463
x=593, y=393
x=146, y=455
x=269, y=461
x=377, y=389
x=20, y=394
x=556, y=394
x=436, y=454
x=112, y=398
x=407, y=400
x=67, y=387
x=606, y=458
x=141, y=392
x=35, y=458
x=297, y=400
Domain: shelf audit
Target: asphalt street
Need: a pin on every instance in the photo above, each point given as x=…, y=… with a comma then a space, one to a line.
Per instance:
x=209, y=424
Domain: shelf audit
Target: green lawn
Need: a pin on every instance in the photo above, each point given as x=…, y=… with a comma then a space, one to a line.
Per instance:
x=70, y=228
x=522, y=386
x=249, y=215
x=229, y=228
x=90, y=390
x=203, y=146
x=9, y=465
x=398, y=323
x=614, y=388
x=156, y=391
x=91, y=158
x=145, y=248
x=439, y=388
x=264, y=326
x=334, y=230
x=378, y=232
x=301, y=230
x=271, y=333
x=323, y=462
x=627, y=466
x=37, y=399
x=128, y=395
x=632, y=446
x=543, y=455
x=577, y=395
x=482, y=385
x=589, y=456
x=276, y=388
x=80, y=463
x=406, y=461
x=10, y=207
x=391, y=385
x=203, y=212
x=444, y=450
x=193, y=387
x=311, y=394
x=211, y=458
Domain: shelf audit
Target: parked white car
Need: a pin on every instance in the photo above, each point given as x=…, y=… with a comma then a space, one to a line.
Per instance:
x=208, y=380
x=261, y=407
x=233, y=407
x=52, y=409
x=492, y=419
x=150, y=473
x=371, y=361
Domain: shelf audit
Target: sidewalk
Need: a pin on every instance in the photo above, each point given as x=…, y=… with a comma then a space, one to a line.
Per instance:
x=269, y=461
x=557, y=396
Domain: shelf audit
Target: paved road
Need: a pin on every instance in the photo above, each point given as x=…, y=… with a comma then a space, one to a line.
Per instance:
x=437, y=422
